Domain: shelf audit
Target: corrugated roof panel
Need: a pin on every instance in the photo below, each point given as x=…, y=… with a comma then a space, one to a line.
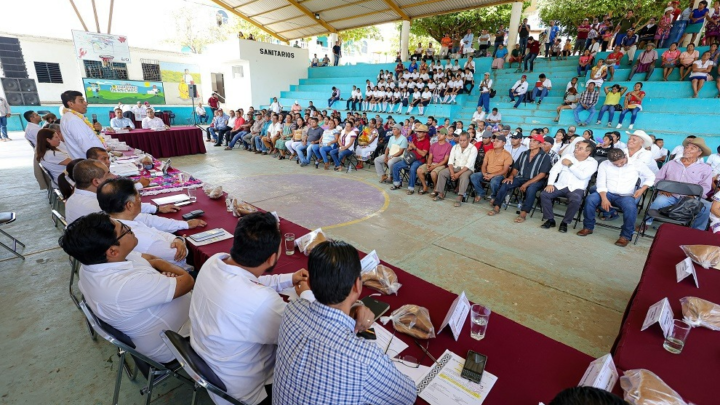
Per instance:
x=287, y=14
x=319, y=5
x=357, y=9
x=302, y=21
x=261, y=6
x=362, y=21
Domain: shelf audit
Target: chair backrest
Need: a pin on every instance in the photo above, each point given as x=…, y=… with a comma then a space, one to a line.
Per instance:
x=119, y=339
x=60, y=218
x=48, y=177
x=676, y=187
x=195, y=366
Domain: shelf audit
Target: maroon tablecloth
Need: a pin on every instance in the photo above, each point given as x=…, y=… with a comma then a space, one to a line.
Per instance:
x=138, y=124
x=694, y=372
x=176, y=141
x=530, y=366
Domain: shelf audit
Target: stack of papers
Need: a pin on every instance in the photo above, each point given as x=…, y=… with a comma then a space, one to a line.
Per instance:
x=444, y=385
x=124, y=169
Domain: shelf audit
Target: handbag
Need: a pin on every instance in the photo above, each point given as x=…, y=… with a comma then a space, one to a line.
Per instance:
x=618, y=107
x=493, y=92
x=409, y=157
x=684, y=210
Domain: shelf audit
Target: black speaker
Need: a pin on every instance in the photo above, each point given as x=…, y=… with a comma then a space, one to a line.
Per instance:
x=192, y=90
x=28, y=85
x=31, y=99
x=10, y=84
x=14, y=97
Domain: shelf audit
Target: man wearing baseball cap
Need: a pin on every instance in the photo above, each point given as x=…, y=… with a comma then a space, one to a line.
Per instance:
x=528, y=175
x=519, y=89
x=547, y=146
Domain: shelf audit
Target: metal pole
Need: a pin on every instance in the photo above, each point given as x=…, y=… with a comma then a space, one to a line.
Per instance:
x=112, y=7
x=78, y=15
x=97, y=23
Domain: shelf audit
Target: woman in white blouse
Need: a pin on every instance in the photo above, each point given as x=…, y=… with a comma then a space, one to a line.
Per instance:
x=49, y=154
x=346, y=143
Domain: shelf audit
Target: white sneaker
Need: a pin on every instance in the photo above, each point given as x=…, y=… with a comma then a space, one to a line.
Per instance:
x=598, y=122
x=618, y=126
x=631, y=126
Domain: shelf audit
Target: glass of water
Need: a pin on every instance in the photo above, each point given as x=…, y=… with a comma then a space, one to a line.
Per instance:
x=479, y=317
x=289, y=244
x=192, y=195
x=675, y=341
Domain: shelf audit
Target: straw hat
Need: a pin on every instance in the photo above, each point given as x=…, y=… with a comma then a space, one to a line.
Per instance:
x=647, y=141
x=700, y=143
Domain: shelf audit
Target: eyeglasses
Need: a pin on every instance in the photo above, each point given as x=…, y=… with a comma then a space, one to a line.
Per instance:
x=124, y=230
x=407, y=361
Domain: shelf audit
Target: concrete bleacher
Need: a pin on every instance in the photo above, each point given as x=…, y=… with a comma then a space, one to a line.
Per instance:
x=669, y=111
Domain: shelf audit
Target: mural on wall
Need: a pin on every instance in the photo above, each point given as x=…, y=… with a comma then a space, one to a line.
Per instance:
x=177, y=78
x=101, y=91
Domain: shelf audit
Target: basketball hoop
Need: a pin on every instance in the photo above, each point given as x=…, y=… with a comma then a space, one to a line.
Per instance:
x=106, y=60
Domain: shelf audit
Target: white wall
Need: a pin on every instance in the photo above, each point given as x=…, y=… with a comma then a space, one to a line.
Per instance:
x=42, y=49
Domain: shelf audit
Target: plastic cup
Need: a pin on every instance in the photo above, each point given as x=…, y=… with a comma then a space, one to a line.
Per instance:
x=675, y=340
x=192, y=195
x=289, y=244
x=479, y=317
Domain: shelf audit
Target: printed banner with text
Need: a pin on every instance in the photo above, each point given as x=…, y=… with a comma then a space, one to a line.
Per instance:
x=101, y=91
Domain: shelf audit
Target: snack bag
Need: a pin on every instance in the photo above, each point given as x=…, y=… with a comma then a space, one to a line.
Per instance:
x=382, y=279
x=212, y=191
x=698, y=312
x=643, y=387
x=412, y=320
x=704, y=255
x=310, y=240
x=240, y=208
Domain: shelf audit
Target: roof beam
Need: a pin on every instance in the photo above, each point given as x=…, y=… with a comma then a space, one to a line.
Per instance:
x=312, y=15
x=342, y=6
x=283, y=20
x=494, y=3
x=299, y=28
x=270, y=11
x=361, y=15
x=244, y=4
x=242, y=16
x=397, y=9
x=422, y=3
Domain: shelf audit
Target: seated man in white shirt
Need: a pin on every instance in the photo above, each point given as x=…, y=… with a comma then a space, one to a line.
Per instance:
x=32, y=128
x=139, y=295
x=616, y=185
x=494, y=118
x=88, y=175
x=568, y=178
x=153, y=122
x=236, y=311
x=119, y=198
x=120, y=122
x=478, y=116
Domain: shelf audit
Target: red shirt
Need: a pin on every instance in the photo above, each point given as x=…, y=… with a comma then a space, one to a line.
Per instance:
x=213, y=102
x=421, y=145
x=534, y=47
x=487, y=147
x=617, y=57
x=583, y=31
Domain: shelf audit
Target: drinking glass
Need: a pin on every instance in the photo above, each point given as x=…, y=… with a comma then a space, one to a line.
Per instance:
x=192, y=195
x=289, y=244
x=675, y=341
x=479, y=317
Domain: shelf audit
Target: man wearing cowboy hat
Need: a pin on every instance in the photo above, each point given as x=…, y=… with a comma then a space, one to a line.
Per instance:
x=636, y=152
x=689, y=169
x=419, y=145
x=616, y=180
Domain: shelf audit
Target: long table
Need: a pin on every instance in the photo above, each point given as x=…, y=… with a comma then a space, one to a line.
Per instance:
x=176, y=141
x=138, y=124
x=530, y=366
x=694, y=372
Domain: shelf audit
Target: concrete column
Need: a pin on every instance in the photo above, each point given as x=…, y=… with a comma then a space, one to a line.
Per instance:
x=514, y=24
x=332, y=39
x=404, y=40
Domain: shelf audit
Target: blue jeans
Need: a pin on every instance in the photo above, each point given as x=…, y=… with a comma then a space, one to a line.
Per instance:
x=338, y=156
x=523, y=44
x=237, y=137
x=521, y=98
x=259, y=145
x=539, y=93
x=300, y=150
x=324, y=150
x=3, y=128
x=530, y=192
x=627, y=204
x=610, y=110
x=203, y=119
x=582, y=70
x=315, y=151
x=484, y=101
x=397, y=178
x=478, y=182
x=634, y=112
x=529, y=58
x=701, y=221
x=580, y=109
x=332, y=100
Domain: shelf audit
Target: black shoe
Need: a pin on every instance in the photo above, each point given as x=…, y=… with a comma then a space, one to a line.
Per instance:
x=550, y=223
x=218, y=144
x=563, y=227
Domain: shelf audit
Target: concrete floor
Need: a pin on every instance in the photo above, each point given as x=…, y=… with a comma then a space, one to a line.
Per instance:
x=569, y=288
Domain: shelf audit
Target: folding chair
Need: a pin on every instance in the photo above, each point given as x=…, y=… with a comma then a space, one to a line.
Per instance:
x=564, y=201
x=639, y=206
x=6, y=218
x=452, y=184
x=49, y=183
x=154, y=372
x=196, y=367
x=351, y=160
x=672, y=187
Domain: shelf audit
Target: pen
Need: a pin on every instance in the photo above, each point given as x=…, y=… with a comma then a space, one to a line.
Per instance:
x=427, y=352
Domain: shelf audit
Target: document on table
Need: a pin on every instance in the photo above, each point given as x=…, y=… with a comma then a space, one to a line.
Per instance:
x=124, y=169
x=171, y=200
x=221, y=236
x=384, y=337
x=443, y=384
x=415, y=373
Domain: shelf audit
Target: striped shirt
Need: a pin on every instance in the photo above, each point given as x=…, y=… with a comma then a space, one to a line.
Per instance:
x=321, y=361
x=527, y=169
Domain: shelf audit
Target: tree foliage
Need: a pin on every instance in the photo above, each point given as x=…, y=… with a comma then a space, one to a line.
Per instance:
x=457, y=24
x=570, y=13
x=194, y=31
x=358, y=34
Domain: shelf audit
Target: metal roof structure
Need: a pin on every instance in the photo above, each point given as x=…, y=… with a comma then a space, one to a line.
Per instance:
x=292, y=19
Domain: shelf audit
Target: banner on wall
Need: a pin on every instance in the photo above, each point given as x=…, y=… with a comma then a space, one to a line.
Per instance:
x=101, y=91
x=93, y=45
x=177, y=78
